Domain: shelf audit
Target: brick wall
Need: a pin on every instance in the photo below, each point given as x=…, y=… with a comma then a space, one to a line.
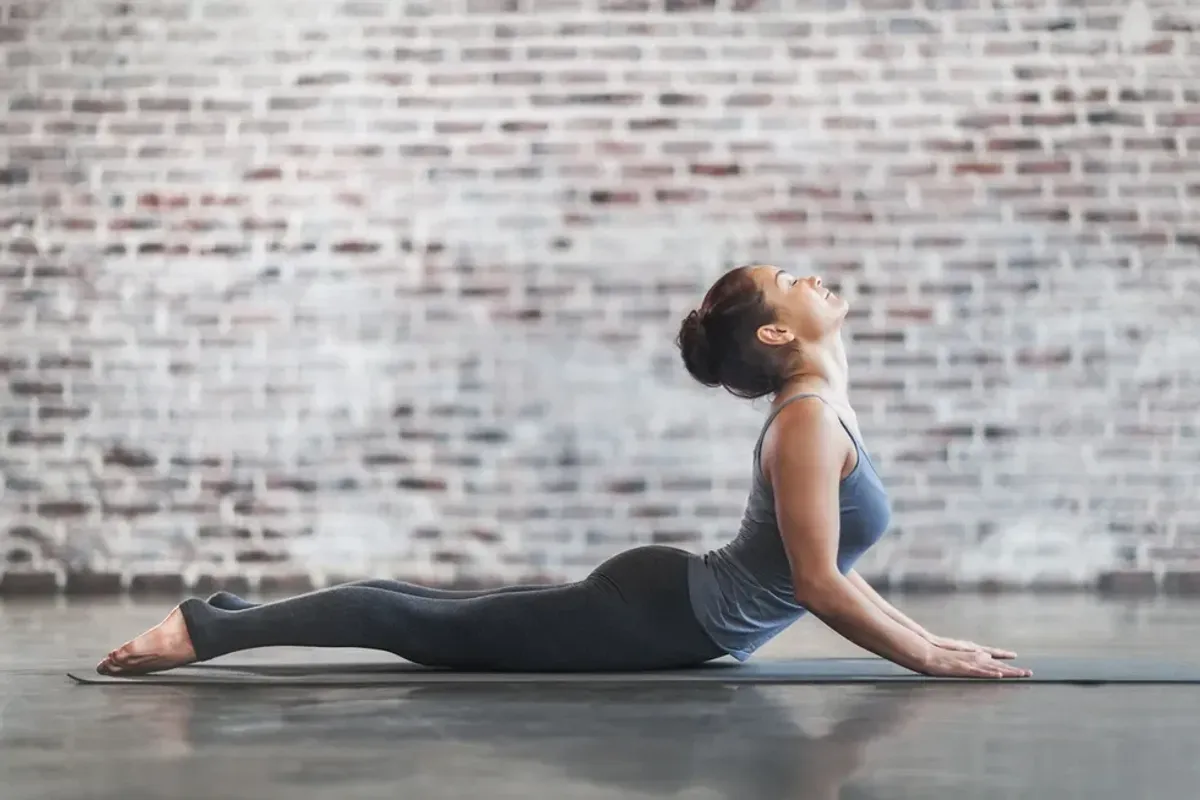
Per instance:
x=302, y=291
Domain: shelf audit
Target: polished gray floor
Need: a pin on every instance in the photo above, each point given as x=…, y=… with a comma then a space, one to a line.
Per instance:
x=59, y=741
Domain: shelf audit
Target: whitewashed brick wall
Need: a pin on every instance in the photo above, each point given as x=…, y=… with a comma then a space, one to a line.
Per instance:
x=303, y=291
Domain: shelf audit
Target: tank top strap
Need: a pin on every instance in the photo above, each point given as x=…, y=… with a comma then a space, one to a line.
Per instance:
x=771, y=418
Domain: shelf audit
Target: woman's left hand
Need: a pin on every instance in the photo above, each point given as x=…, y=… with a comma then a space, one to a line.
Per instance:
x=968, y=647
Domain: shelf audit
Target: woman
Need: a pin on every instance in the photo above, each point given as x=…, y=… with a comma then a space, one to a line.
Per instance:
x=815, y=506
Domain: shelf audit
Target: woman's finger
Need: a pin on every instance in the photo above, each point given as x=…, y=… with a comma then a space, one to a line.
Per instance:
x=978, y=666
x=1010, y=671
x=988, y=672
x=994, y=652
x=989, y=669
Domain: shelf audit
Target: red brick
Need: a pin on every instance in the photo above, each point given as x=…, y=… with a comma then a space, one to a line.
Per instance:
x=978, y=168
x=31, y=388
x=1014, y=144
x=95, y=105
x=1115, y=117
x=883, y=51
x=1053, y=167
x=636, y=171
x=1010, y=48
x=169, y=584
x=285, y=584
x=28, y=584
x=749, y=100
x=783, y=216
x=985, y=120
x=715, y=170
x=1178, y=119
x=90, y=584
x=35, y=104
x=260, y=556
x=165, y=104
x=265, y=174
x=1176, y=583
x=677, y=196
x=850, y=123
x=848, y=217
x=1110, y=215
x=1128, y=582
x=948, y=145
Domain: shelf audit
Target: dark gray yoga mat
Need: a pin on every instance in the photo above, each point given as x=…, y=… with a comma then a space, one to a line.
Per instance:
x=795, y=671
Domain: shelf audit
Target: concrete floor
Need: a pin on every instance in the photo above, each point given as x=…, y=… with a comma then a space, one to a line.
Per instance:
x=59, y=741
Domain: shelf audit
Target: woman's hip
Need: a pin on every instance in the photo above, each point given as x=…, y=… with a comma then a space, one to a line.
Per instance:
x=650, y=584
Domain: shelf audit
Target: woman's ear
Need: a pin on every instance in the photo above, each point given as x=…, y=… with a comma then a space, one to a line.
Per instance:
x=775, y=335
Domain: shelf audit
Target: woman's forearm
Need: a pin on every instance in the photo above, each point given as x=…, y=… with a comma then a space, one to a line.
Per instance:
x=837, y=603
x=883, y=605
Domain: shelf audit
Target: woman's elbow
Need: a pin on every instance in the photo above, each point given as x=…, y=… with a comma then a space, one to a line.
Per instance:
x=814, y=589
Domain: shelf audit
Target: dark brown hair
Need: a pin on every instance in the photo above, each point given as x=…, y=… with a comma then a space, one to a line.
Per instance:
x=719, y=344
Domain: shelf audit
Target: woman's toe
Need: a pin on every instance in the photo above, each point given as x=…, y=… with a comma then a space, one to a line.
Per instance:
x=120, y=657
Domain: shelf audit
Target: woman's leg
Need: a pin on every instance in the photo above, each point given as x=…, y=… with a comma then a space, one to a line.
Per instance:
x=631, y=613
x=232, y=602
x=520, y=630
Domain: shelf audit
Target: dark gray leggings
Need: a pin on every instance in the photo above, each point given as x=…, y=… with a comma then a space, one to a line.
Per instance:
x=632, y=612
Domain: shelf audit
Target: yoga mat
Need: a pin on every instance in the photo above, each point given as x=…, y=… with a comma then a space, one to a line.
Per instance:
x=796, y=671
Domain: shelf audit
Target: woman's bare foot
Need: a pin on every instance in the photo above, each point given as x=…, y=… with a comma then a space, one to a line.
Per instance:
x=164, y=646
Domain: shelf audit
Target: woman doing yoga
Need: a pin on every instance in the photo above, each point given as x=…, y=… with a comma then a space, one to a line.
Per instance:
x=816, y=504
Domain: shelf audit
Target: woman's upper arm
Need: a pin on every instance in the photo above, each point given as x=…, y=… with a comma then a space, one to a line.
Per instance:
x=804, y=465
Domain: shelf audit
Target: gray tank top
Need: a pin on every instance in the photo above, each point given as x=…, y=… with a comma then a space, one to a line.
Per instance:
x=743, y=593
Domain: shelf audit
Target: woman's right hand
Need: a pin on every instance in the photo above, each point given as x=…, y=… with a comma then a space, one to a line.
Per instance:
x=970, y=664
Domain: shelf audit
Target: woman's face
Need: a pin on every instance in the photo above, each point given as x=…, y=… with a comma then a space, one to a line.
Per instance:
x=805, y=310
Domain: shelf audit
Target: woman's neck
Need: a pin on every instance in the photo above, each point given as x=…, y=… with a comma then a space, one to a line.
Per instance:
x=824, y=370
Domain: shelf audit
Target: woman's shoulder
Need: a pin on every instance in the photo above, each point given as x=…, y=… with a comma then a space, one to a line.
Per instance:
x=805, y=433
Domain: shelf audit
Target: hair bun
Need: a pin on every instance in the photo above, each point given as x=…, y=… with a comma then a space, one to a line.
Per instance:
x=697, y=350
